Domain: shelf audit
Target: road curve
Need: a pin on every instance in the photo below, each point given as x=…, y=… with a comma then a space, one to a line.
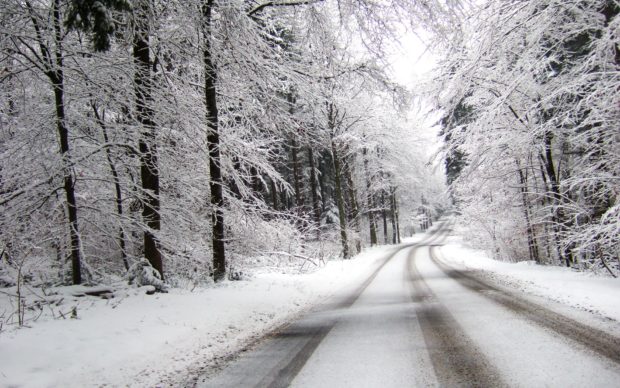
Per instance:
x=416, y=322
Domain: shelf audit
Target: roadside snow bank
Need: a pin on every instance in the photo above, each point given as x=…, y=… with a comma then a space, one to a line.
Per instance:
x=586, y=291
x=144, y=340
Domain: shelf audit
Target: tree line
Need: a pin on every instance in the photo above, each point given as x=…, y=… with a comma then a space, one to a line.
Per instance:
x=185, y=138
x=531, y=118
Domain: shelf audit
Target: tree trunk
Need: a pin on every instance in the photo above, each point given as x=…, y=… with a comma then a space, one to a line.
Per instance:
x=324, y=161
x=355, y=219
x=372, y=223
x=57, y=78
x=395, y=220
x=531, y=240
x=299, y=198
x=117, y=185
x=557, y=211
x=384, y=216
x=231, y=183
x=149, y=168
x=257, y=185
x=393, y=216
x=213, y=145
x=316, y=205
x=339, y=194
x=370, y=203
x=544, y=200
x=274, y=195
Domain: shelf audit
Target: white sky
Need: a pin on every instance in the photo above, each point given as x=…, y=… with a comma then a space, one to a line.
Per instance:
x=410, y=59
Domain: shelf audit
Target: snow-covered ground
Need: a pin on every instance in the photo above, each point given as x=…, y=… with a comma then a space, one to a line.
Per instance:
x=141, y=340
x=136, y=339
x=586, y=291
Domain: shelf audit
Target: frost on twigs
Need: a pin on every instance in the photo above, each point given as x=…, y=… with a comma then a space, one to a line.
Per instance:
x=143, y=274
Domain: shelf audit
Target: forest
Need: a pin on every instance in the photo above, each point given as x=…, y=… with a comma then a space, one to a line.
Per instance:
x=531, y=123
x=170, y=142
x=181, y=142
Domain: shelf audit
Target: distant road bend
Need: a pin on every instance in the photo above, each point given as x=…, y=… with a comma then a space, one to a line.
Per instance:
x=417, y=322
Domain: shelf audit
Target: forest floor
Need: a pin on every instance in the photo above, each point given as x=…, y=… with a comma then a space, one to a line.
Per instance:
x=140, y=340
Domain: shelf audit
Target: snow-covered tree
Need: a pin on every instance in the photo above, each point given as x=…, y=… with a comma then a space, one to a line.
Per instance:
x=535, y=80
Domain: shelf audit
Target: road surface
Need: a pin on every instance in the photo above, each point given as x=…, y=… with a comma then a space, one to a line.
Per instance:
x=417, y=322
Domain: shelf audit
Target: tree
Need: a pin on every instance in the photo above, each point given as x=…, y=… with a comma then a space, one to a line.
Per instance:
x=124, y=83
x=530, y=79
x=149, y=165
x=41, y=47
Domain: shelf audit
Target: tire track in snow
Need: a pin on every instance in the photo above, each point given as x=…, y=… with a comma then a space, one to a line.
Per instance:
x=455, y=358
x=285, y=372
x=286, y=350
x=591, y=338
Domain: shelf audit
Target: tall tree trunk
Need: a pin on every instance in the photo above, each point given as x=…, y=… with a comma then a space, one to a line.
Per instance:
x=56, y=76
x=299, y=198
x=324, y=160
x=213, y=144
x=340, y=202
x=149, y=168
x=231, y=183
x=531, y=240
x=316, y=205
x=257, y=185
x=274, y=195
x=557, y=211
x=393, y=216
x=355, y=219
x=544, y=199
x=370, y=203
x=338, y=181
x=384, y=217
x=117, y=184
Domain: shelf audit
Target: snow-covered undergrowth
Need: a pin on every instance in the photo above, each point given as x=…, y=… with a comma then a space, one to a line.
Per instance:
x=124, y=337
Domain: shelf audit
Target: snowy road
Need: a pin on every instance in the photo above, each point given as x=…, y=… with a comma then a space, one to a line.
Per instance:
x=416, y=322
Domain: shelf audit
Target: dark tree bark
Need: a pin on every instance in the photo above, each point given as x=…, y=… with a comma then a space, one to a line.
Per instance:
x=274, y=195
x=324, y=161
x=213, y=144
x=149, y=168
x=557, y=211
x=257, y=185
x=56, y=76
x=52, y=65
x=299, y=197
x=394, y=216
x=544, y=200
x=354, y=214
x=100, y=117
x=316, y=205
x=397, y=215
x=531, y=239
x=384, y=217
x=370, y=203
x=338, y=181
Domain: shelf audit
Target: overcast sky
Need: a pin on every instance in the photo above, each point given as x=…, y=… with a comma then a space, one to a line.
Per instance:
x=411, y=60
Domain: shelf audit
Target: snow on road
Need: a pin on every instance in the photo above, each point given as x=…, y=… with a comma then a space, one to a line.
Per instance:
x=377, y=342
x=526, y=354
x=417, y=324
